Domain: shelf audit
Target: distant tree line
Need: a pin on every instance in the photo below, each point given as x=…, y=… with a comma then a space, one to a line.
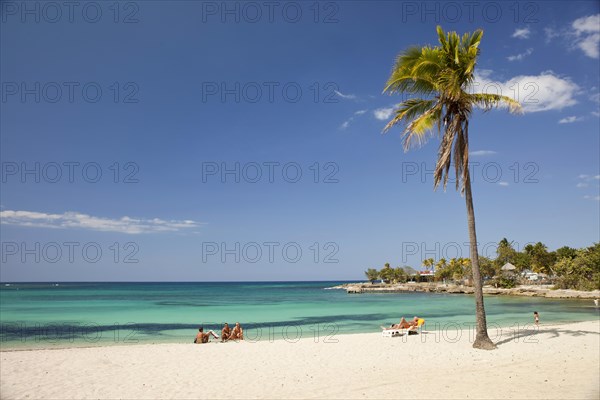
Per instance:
x=566, y=267
x=388, y=274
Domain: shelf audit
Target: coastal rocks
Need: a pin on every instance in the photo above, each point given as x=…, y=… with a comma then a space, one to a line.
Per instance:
x=354, y=289
x=568, y=293
x=460, y=289
x=431, y=287
x=493, y=291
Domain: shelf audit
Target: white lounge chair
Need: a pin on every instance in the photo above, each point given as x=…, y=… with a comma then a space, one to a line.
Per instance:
x=388, y=332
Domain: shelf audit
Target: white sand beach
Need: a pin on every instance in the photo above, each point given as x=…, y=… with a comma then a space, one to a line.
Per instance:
x=557, y=362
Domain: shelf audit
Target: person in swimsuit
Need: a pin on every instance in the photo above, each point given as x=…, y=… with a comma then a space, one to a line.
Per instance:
x=404, y=324
x=237, y=333
x=202, y=337
x=536, y=317
x=225, y=332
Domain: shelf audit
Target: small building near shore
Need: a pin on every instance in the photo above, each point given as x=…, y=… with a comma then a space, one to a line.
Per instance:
x=530, y=275
x=508, y=268
x=425, y=276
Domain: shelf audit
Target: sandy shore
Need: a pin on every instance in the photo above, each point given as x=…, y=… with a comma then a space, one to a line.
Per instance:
x=556, y=362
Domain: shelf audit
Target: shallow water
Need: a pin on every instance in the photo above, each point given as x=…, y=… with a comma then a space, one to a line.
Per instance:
x=81, y=314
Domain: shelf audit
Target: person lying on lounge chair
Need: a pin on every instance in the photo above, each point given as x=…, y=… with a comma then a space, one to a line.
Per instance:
x=404, y=324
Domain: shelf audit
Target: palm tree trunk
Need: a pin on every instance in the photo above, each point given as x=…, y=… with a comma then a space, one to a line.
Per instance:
x=482, y=340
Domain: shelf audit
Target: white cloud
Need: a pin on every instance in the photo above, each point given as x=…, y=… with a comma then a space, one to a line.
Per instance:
x=75, y=220
x=482, y=153
x=587, y=33
x=589, y=24
x=543, y=92
x=383, y=114
x=520, y=56
x=589, y=45
x=345, y=96
x=588, y=178
x=570, y=120
x=596, y=113
x=582, y=34
x=584, y=182
x=347, y=122
x=522, y=33
x=502, y=183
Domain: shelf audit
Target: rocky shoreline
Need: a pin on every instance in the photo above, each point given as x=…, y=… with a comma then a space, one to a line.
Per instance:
x=523, y=290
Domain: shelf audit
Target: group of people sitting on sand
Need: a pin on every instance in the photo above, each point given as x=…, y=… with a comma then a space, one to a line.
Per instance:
x=237, y=333
x=410, y=326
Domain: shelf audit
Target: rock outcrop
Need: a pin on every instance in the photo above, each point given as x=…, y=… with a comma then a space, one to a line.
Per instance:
x=524, y=290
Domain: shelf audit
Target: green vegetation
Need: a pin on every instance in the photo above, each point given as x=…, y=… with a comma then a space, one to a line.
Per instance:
x=372, y=274
x=505, y=281
x=566, y=268
x=456, y=269
x=387, y=274
x=428, y=263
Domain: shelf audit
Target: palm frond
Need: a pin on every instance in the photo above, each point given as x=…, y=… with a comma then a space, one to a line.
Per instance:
x=441, y=77
x=441, y=36
x=414, y=72
x=416, y=132
x=408, y=110
x=411, y=85
x=444, y=158
x=461, y=155
x=428, y=64
x=487, y=101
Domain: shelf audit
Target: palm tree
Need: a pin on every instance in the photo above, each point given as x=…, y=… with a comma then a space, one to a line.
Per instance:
x=505, y=252
x=400, y=275
x=541, y=259
x=428, y=263
x=372, y=274
x=443, y=76
x=387, y=273
x=441, y=264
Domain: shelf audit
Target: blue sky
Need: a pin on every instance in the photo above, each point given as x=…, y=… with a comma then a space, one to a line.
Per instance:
x=133, y=121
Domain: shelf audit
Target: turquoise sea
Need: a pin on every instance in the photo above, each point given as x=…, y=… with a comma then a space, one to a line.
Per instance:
x=86, y=314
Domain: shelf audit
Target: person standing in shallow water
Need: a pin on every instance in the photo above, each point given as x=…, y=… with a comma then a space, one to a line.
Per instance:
x=536, y=318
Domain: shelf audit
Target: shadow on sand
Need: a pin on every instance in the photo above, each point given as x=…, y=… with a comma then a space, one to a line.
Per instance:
x=554, y=333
